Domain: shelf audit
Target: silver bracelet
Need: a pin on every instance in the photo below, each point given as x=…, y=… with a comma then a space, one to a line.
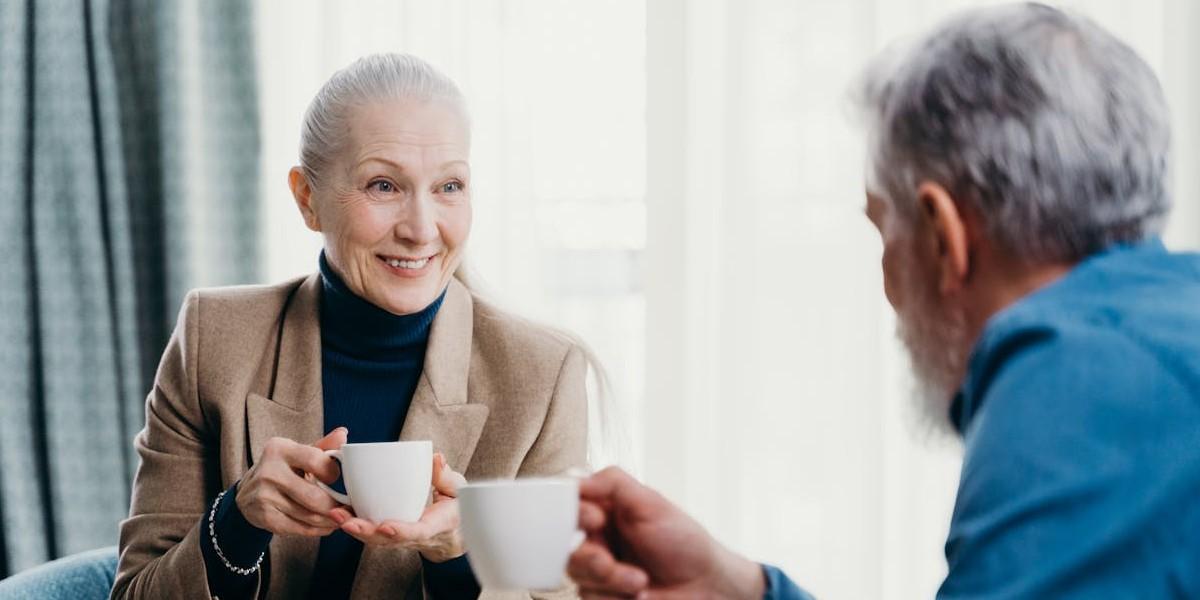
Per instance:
x=212, y=535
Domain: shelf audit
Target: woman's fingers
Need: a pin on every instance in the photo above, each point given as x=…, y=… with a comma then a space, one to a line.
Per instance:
x=285, y=524
x=281, y=479
x=276, y=495
x=341, y=514
x=308, y=495
x=303, y=514
x=445, y=479
x=439, y=518
x=439, y=463
x=311, y=459
x=373, y=534
x=436, y=523
x=334, y=439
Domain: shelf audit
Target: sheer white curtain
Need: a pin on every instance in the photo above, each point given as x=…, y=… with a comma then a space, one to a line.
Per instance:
x=679, y=181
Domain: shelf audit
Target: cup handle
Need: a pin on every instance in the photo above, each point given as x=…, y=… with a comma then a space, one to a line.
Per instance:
x=577, y=540
x=336, y=495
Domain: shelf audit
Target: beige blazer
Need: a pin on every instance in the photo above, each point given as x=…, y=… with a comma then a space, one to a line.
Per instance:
x=501, y=398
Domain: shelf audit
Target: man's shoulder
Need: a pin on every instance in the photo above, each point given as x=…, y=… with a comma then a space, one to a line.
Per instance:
x=1127, y=315
x=1078, y=415
x=1122, y=352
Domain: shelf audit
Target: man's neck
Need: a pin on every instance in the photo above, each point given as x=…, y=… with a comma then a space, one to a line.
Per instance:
x=1001, y=282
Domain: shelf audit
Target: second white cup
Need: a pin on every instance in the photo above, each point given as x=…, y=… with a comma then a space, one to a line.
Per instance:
x=385, y=481
x=519, y=534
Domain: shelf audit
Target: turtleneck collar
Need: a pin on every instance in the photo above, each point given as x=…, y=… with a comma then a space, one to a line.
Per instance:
x=354, y=326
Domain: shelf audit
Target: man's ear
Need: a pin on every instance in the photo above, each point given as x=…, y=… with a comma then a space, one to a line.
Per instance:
x=945, y=220
x=302, y=192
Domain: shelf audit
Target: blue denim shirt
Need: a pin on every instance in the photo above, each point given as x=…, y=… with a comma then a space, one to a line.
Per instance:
x=1080, y=414
x=779, y=587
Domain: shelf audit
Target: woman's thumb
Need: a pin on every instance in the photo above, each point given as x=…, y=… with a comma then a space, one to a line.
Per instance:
x=334, y=439
x=445, y=479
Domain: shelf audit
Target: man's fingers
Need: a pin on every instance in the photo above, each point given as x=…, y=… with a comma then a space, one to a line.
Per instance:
x=617, y=490
x=603, y=484
x=669, y=594
x=614, y=486
x=590, y=594
x=593, y=567
x=591, y=517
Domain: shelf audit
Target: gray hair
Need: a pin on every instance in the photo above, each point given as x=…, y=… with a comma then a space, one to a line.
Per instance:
x=368, y=79
x=1051, y=128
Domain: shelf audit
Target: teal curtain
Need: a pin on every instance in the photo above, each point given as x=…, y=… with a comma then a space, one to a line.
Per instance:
x=128, y=174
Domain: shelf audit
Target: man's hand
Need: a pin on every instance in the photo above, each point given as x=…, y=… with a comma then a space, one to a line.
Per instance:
x=640, y=545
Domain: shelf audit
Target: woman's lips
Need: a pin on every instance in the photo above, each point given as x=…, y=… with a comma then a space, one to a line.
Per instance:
x=409, y=267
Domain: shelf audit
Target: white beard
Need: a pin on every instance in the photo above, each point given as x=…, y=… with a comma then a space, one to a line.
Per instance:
x=937, y=350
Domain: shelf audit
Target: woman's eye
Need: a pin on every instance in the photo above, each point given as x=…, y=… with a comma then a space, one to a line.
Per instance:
x=382, y=185
x=451, y=187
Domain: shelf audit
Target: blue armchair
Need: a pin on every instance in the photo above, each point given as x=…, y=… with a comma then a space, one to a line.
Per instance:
x=83, y=576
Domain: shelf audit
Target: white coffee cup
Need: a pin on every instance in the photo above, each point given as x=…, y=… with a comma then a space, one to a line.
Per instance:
x=385, y=481
x=519, y=534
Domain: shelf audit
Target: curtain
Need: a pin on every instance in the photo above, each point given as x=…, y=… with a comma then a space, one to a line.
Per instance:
x=128, y=174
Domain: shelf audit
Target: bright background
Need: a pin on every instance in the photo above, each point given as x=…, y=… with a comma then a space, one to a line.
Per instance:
x=679, y=182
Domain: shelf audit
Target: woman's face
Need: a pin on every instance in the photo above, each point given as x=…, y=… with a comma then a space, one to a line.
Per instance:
x=395, y=206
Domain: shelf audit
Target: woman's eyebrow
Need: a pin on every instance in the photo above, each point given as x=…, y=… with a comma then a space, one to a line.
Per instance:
x=377, y=159
x=446, y=166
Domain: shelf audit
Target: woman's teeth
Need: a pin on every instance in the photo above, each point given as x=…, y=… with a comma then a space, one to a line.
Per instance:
x=407, y=264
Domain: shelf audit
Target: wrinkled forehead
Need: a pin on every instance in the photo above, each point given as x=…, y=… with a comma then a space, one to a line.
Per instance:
x=429, y=129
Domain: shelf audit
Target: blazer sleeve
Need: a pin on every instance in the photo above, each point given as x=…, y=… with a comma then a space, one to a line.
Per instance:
x=160, y=552
x=562, y=442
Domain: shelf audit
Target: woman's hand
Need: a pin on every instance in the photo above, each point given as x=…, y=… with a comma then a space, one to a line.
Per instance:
x=435, y=535
x=274, y=494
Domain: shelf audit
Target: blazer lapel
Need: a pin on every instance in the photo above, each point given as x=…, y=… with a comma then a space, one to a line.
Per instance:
x=439, y=412
x=287, y=403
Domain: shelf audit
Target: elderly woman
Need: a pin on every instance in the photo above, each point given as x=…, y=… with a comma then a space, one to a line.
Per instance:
x=386, y=342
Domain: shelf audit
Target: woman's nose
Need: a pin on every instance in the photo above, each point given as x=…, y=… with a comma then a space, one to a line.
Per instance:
x=416, y=224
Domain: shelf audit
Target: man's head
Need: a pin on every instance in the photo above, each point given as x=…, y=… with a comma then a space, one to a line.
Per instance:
x=1005, y=146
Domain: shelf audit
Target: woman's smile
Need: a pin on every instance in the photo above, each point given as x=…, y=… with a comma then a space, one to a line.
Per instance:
x=409, y=267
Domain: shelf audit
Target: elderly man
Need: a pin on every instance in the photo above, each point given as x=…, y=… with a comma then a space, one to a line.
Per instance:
x=1019, y=183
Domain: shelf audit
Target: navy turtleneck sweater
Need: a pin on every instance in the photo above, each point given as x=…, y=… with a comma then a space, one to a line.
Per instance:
x=371, y=361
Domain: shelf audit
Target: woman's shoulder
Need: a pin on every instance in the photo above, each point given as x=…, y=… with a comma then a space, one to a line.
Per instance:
x=516, y=340
x=246, y=299
x=241, y=310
